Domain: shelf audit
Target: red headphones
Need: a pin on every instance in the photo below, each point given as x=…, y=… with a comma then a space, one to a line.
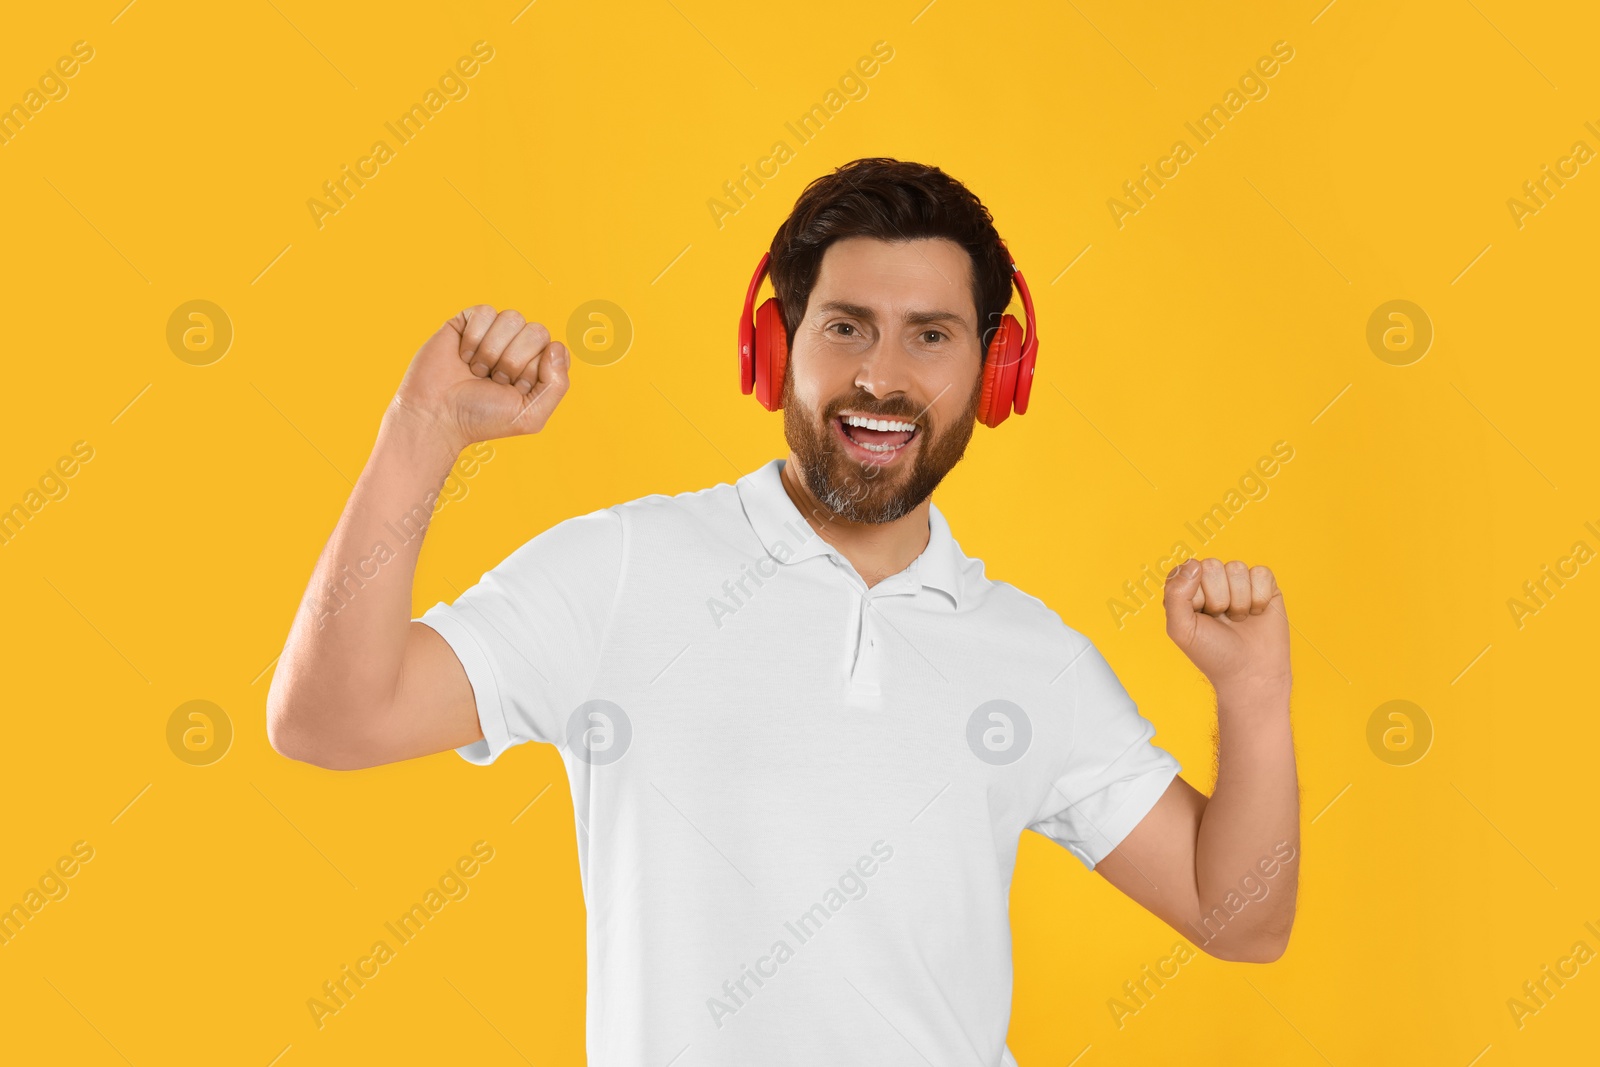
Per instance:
x=1007, y=366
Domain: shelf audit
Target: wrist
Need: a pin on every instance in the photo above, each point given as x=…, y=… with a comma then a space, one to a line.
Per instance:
x=1259, y=695
x=419, y=439
x=420, y=434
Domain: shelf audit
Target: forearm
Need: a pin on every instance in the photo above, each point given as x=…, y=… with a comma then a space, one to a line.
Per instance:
x=346, y=646
x=1247, y=848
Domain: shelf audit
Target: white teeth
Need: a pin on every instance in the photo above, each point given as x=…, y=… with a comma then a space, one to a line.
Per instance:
x=878, y=424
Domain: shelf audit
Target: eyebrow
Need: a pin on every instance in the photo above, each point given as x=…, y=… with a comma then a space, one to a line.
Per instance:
x=916, y=318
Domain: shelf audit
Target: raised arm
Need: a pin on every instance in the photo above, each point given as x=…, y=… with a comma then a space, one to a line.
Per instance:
x=359, y=684
x=1223, y=871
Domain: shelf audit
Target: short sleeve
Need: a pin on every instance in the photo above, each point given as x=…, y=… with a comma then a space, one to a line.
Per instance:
x=1112, y=773
x=530, y=632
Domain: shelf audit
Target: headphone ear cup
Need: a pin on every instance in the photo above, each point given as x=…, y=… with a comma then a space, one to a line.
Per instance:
x=1000, y=372
x=771, y=354
x=780, y=360
x=986, y=391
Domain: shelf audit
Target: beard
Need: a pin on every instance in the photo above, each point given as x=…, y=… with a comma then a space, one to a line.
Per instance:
x=864, y=493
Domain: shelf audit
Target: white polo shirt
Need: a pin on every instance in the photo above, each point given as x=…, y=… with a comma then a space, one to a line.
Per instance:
x=798, y=798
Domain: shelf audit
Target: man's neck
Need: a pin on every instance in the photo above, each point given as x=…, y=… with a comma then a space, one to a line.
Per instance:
x=876, y=550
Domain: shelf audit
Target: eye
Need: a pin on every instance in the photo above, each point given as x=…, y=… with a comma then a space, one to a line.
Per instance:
x=848, y=327
x=933, y=337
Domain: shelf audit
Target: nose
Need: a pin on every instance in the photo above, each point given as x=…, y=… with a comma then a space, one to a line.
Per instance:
x=885, y=368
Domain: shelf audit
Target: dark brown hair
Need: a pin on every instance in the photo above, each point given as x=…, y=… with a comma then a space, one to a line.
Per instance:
x=890, y=200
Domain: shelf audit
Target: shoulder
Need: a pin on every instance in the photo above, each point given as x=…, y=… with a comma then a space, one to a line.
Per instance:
x=652, y=513
x=658, y=533
x=713, y=503
x=1025, y=619
x=683, y=520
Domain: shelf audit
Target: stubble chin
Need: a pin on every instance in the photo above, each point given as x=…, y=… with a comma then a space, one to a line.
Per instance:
x=861, y=494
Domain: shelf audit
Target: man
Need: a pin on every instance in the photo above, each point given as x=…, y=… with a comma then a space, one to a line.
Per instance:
x=803, y=731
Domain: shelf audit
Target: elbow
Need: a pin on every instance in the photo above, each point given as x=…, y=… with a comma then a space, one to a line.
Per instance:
x=1264, y=952
x=1260, y=948
x=287, y=737
x=296, y=746
x=286, y=730
x=282, y=733
x=280, y=728
x=291, y=735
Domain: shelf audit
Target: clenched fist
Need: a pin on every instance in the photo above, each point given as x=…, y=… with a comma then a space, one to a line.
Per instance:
x=1229, y=620
x=484, y=375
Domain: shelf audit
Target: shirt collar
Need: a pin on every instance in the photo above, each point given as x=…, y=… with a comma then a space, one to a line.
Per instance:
x=789, y=538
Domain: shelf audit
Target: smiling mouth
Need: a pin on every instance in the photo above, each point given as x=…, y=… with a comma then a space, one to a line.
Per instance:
x=877, y=440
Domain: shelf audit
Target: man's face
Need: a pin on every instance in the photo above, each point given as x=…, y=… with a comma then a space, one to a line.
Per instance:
x=898, y=318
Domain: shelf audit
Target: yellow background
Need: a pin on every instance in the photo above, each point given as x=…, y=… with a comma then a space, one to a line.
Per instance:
x=1224, y=316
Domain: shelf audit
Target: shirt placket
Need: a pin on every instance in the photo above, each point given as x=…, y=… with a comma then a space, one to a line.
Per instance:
x=864, y=665
x=863, y=685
